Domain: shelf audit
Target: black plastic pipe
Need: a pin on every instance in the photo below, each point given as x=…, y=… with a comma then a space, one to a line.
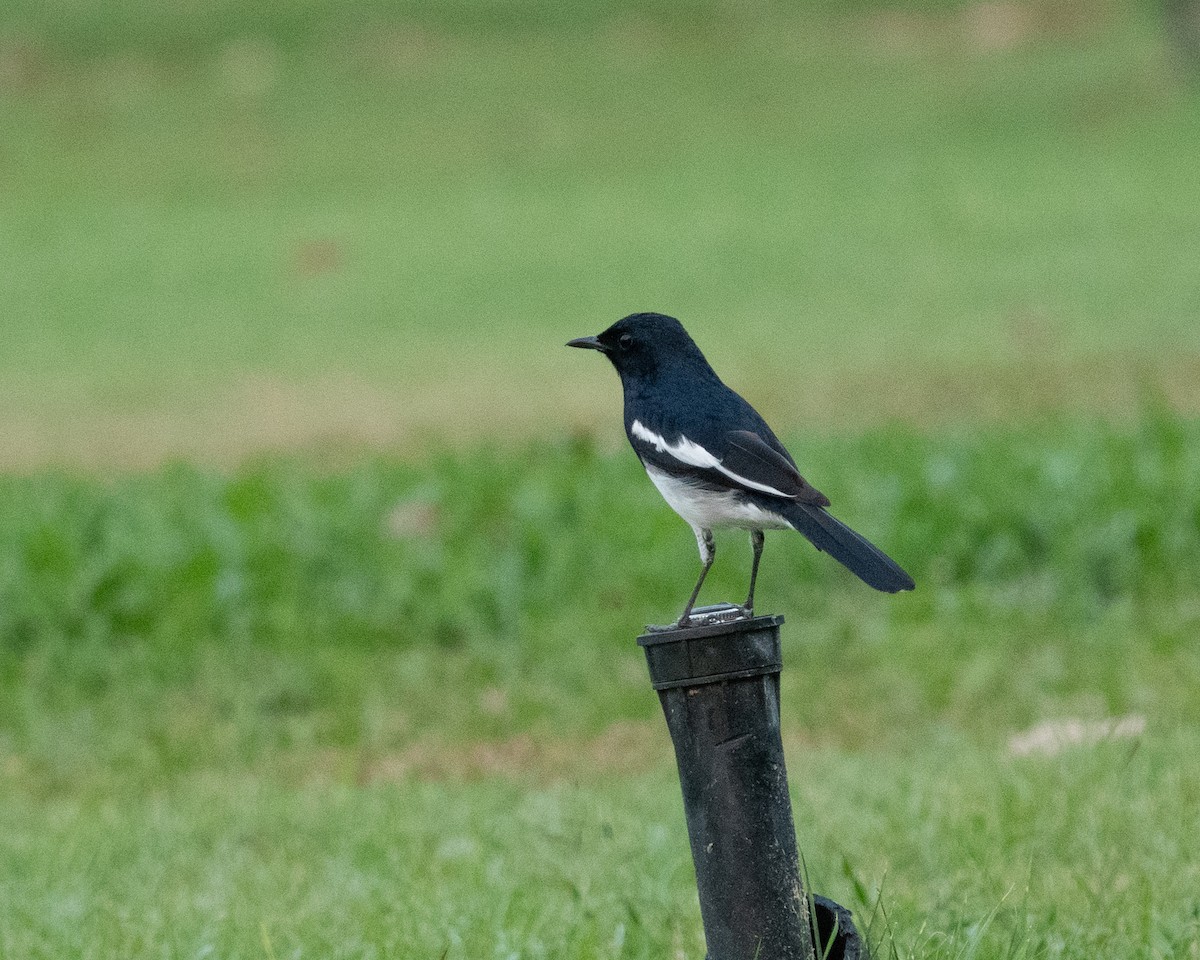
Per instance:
x=718, y=682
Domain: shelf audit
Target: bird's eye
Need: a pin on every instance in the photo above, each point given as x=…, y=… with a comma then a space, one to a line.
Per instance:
x=626, y=341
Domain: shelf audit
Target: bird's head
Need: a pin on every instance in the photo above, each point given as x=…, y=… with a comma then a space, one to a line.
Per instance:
x=640, y=344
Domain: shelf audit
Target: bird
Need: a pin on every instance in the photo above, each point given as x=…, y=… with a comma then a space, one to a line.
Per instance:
x=714, y=459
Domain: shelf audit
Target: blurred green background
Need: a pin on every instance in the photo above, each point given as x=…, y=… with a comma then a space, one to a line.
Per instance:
x=230, y=228
x=321, y=560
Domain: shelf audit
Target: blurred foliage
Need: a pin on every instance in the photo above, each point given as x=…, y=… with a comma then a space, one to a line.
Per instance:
x=481, y=547
x=154, y=624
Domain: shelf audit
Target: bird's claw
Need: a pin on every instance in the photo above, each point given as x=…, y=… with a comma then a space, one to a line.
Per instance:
x=719, y=613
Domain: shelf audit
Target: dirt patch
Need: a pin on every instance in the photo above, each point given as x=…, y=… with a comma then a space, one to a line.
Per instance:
x=341, y=418
x=623, y=749
x=626, y=748
x=983, y=27
x=1055, y=736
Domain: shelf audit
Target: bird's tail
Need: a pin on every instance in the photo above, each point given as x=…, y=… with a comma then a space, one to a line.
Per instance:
x=870, y=564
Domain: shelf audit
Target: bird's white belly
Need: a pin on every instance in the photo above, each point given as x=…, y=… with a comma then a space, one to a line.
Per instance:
x=709, y=509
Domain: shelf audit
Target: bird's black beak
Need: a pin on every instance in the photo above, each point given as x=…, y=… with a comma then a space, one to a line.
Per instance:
x=588, y=343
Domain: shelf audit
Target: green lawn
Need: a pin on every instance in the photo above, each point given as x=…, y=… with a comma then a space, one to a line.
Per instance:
x=320, y=566
x=223, y=236
x=396, y=709
x=979, y=855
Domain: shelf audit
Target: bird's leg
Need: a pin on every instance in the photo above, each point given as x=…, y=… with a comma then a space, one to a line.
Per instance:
x=708, y=552
x=756, y=541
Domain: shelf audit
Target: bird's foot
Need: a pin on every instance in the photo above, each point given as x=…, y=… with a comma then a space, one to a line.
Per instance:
x=716, y=613
x=703, y=617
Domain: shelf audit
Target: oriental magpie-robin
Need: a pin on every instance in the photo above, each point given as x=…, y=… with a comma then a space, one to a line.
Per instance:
x=714, y=459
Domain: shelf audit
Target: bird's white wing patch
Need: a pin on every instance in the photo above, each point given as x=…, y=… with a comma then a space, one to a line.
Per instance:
x=684, y=451
x=694, y=455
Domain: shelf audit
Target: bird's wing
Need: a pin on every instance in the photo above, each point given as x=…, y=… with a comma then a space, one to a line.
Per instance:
x=749, y=456
x=741, y=459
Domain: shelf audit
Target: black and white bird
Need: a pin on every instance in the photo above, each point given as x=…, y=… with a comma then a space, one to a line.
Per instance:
x=714, y=459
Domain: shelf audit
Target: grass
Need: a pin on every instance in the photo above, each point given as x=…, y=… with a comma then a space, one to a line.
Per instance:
x=1093, y=862
x=224, y=236
x=376, y=710
x=282, y=676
